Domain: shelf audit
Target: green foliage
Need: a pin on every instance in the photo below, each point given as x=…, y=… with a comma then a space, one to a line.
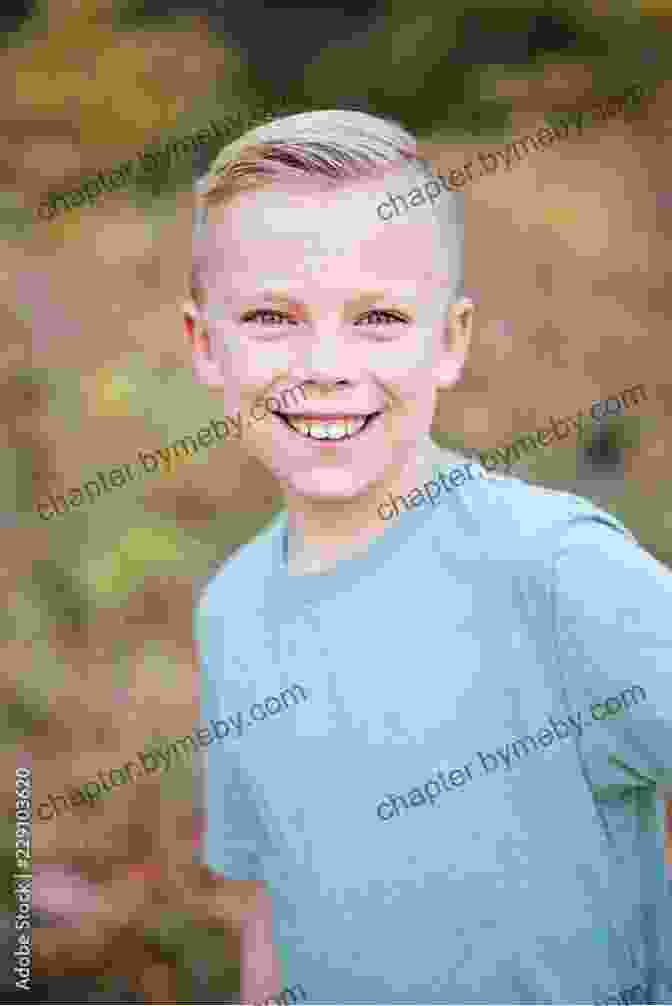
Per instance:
x=623, y=432
x=640, y=796
x=22, y=389
x=187, y=945
x=649, y=516
x=49, y=676
x=24, y=618
x=60, y=594
x=436, y=70
x=16, y=218
x=177, y=779
x=26, y=711
x=23, y=716
x=127, y=386
x=112, y=572
x=101, y=554
x=121, y=569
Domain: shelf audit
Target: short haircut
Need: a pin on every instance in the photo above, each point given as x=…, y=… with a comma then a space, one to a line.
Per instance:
x=330, y=144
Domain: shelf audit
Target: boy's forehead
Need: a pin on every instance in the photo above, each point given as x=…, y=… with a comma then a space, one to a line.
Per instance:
x=304, y=229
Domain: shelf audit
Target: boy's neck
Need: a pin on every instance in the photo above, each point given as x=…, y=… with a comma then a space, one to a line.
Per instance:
x=319, y=535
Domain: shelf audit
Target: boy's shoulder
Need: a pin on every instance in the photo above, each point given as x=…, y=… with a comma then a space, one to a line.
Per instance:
x=517, y=517
x=248, y=562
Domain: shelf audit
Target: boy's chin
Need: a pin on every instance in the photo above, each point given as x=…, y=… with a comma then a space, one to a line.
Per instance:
x=325, y=485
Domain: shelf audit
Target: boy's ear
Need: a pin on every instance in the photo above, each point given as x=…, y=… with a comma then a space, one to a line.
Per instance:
x=458, y=338
x=206, y=368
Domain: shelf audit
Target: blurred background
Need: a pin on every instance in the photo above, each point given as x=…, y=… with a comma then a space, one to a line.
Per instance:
x=567, y=260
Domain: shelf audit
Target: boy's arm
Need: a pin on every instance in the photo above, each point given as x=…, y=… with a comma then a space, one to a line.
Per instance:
x=260, y=977
x=612, y=613
x=259, y=966
x=242, y=908
x=613, y=603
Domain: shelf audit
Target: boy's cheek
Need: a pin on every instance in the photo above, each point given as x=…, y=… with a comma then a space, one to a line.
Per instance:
x=411, y=371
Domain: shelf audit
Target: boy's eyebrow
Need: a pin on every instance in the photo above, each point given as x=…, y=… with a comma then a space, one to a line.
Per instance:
x=372, y=295
x=360, y=300
x=274, y=295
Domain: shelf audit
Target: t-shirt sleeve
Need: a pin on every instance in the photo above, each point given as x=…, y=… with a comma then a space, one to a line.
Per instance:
x=233, y=833
x=612, y=612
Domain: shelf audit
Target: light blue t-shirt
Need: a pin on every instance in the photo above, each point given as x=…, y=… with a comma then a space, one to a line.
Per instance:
x=408, y=745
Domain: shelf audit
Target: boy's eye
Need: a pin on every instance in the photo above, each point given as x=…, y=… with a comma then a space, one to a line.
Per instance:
x=388, y=317
x=267, y=317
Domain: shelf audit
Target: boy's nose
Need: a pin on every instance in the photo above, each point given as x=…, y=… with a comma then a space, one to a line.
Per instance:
x=326, y=354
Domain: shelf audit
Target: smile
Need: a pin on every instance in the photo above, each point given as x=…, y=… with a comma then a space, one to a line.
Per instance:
x=328, y=427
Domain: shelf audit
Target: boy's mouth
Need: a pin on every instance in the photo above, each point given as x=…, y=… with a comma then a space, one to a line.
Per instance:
x=328, y=427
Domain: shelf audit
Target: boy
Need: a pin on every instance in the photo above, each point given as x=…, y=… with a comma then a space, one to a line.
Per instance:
x=415, y=650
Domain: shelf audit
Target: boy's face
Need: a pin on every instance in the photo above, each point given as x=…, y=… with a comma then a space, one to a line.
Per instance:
x=307, y=286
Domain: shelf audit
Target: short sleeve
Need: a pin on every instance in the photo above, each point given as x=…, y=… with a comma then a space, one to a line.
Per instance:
x=613, y=633
x=233, y=834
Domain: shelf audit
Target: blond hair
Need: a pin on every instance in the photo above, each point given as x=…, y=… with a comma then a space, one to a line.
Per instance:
x=333, y=145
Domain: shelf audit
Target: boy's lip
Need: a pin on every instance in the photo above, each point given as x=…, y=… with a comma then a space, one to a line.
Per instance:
x=372, y=417
x=327, y=414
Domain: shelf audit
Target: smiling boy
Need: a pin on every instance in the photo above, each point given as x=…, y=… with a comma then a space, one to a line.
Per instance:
x=419, y=640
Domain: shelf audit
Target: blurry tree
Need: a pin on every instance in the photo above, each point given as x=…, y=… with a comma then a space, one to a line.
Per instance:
x=12, y=16
x=76, y=67
x=434, y=67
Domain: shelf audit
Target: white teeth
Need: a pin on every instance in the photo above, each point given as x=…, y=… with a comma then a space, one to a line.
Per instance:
x=355, y=425
x=328, y=430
